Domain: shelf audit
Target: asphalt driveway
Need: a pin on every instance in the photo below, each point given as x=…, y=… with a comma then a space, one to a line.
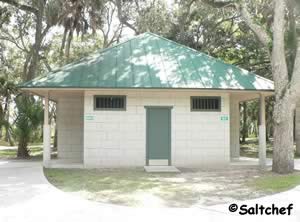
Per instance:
x=25, y=195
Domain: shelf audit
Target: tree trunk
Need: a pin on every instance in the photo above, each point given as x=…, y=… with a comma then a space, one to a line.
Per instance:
x=297, y=129
x=63, y=42
x=267, y=134
x=22, y=148
x=69, y=40
x=8, y=136
x=7, y=126
x=55, y=137
x=34, y=62
x=283, y=153
x=267, y=122
x=245, y=128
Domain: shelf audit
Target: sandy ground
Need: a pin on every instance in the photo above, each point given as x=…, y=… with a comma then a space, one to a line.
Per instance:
x=190, y=188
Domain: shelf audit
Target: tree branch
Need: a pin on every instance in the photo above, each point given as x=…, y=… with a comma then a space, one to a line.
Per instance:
x=13, y=40
x=122, y=18
x=46, y=63
x=219, y=3
x=185, y=16
x=258, y=30
x=21, y=6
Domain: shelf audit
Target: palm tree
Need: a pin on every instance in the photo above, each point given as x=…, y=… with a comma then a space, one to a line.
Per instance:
x=79, y=16
x=29, y=118
x=7, y=89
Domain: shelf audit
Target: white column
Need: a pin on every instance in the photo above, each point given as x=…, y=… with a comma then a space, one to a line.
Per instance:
x=234, y=128
x=262, y=132
x=46, y=134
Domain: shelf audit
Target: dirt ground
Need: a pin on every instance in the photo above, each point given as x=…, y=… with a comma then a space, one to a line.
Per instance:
x=134, y=187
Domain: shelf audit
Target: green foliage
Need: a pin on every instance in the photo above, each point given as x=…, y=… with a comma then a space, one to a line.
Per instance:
x=81, y=47
x=11, y=61
x=12, y=152
x=154, y=18
x=53, y=11
x=29, y=117
x=252, y=118
x=221, y=33
x=5, y=15
x=7, y=89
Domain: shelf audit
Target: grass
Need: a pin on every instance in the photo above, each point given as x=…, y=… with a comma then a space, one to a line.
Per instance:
x=12, y=152
x=8, y=153
x=3, y=143
x=35, y=150
x=250, y=148
x=276, y=183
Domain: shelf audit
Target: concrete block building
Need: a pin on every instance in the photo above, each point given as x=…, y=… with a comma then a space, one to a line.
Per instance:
x=149, y=101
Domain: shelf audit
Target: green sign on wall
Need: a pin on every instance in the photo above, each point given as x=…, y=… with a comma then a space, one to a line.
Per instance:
x=89, y=117
x=224, y=118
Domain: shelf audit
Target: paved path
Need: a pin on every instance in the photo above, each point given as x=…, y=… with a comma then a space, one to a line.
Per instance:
x=25, y=195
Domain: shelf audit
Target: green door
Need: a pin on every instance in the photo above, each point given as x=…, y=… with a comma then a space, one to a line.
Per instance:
x=158, y=138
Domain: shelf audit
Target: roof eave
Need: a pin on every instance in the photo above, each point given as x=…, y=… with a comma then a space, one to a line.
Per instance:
x=144, y=88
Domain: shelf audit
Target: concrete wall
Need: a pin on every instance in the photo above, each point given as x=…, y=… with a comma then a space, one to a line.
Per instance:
x=70, y=127
x=117, y=138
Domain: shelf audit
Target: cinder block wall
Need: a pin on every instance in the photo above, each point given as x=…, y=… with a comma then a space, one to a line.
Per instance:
x=70, y=128
x=118, y=138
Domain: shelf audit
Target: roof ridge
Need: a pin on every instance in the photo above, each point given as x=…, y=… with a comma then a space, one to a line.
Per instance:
x=121, y=43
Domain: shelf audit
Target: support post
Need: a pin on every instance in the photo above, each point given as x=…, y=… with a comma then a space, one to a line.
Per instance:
x=234, y=128
x=262, y=132
x=46, y=134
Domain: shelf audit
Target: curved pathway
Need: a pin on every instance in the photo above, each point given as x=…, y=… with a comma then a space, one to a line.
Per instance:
x=26, y=195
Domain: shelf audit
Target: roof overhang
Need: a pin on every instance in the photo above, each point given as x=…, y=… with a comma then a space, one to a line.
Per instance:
x=54, y=93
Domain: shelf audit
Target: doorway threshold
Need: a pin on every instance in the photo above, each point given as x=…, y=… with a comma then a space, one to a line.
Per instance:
x=161, y=169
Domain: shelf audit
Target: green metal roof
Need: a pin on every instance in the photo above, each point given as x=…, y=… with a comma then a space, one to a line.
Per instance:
x=150, y=61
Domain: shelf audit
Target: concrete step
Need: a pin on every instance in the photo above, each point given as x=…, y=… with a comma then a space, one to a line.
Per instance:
x=161, y=169
x=66, y=164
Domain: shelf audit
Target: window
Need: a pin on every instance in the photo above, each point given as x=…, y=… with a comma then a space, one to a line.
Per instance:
x=208, y=103
x=110, y=102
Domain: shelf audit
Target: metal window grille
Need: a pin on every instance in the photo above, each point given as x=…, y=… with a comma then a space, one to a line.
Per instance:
x=110, y=102
x=201, y=103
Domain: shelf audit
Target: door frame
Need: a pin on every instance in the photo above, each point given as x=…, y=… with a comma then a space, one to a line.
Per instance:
x=169, y=108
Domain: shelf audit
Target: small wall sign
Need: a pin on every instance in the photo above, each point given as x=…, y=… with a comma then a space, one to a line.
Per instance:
x=89, y=117
x=224, y=118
